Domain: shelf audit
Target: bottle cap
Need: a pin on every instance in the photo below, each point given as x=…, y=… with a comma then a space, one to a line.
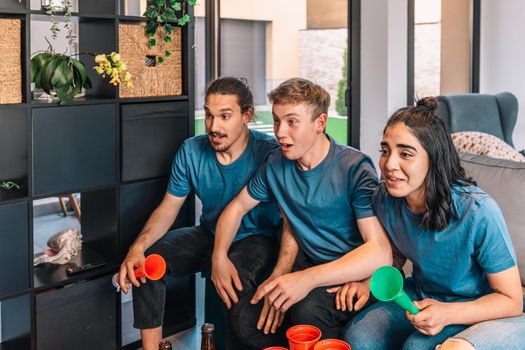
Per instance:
x=208, y=327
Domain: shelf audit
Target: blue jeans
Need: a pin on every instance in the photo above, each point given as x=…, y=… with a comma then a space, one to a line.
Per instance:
x=384, y=326
x=506, y=333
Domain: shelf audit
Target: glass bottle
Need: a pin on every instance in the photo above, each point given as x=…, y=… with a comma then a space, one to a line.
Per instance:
x=165, y=345
x=207, y=342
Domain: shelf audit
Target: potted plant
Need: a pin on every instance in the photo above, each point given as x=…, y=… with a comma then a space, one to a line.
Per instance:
x=64, y=77
x=59, y=75
x=165, y=14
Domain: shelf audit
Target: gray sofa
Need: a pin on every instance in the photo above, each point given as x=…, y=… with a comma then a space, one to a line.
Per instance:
x=504, y=180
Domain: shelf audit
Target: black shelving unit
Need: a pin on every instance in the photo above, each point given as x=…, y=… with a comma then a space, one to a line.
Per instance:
x=117, y=154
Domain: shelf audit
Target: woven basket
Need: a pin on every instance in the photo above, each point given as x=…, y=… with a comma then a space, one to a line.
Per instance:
x=164, y=79
x=11, y=56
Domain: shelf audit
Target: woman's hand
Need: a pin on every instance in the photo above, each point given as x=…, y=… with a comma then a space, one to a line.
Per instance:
x=344, y=299
x=433, y=317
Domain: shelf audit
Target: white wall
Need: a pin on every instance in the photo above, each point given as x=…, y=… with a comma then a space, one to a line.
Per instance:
x=502, y=54
x=383, y=67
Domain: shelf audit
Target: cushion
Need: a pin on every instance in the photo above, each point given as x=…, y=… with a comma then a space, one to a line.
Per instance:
x=504, y=180
x=483, y=144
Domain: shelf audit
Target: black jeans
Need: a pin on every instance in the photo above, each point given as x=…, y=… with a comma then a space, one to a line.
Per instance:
x=188, y=250
x=317, y=309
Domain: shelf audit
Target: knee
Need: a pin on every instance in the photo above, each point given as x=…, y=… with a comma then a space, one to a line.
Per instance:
x=243, y=318
x=359, y=339
x=455, y=344
x=310, y=310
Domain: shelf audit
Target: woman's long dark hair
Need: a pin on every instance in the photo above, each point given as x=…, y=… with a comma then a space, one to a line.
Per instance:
x=444, y=170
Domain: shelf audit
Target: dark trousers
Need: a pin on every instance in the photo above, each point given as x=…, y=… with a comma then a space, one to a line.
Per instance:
x=188, y=250
x=317, y=309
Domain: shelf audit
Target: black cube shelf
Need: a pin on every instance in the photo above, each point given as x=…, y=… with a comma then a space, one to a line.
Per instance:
x=116, y=153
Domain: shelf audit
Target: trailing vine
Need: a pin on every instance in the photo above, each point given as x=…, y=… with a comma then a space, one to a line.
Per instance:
x=68, y=26
x=165, y=14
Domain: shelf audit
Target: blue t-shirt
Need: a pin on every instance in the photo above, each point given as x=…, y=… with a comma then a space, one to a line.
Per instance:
x=323, y=203
x=196, y=168
x=450, y=265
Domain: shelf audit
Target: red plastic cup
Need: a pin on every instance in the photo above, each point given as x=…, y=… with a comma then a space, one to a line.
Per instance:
x=332, y=344
x=275, y=348
x=154, y=267
x=303, y=337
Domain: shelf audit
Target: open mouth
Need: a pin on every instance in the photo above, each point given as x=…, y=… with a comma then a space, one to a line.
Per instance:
x=392, y=180
x=285, y=146
x=216, y=137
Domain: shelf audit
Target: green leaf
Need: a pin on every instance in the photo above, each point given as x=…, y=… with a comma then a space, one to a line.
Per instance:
x=177, y=6
x=167, y=39
x=152, y=42
x=63, y=75
x=47, y=73
x=160, y=59
x=62, y=93
x=37, y=62
x=167, y=53
x=151, y=28
x=75, y=88
x=78, y=67
x=183, y=20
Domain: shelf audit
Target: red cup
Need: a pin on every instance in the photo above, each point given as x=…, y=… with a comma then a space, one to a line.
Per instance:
x=303, y=337
x=275, y=348
x=154, y=268
x=332, y=344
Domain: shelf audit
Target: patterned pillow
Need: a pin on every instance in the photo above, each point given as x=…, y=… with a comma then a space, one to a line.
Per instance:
x=482, y=144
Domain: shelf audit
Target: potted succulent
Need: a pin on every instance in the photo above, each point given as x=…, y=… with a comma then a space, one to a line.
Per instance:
x=165, y=14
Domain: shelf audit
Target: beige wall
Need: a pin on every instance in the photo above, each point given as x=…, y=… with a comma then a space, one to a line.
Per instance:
x=323, y=14
x=285, y=19
x=455, y=46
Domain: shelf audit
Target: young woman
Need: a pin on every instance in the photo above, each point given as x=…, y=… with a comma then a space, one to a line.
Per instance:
x=454, y=233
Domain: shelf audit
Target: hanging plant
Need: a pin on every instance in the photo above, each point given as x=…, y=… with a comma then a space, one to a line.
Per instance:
x=165, y=14
x=51, y=8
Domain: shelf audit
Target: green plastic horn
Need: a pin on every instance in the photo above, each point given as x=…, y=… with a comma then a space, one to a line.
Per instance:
x=387, y=285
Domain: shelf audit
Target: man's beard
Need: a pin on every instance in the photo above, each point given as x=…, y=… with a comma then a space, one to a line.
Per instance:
x=220, y=148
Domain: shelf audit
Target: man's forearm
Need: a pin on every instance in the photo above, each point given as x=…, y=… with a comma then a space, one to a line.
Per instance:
x=287, y=252
x=157, y=225
x=356, y=265
x=227, y=226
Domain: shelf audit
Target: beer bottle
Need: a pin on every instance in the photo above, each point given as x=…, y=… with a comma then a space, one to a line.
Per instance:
x=207, y=342
x=165, y=345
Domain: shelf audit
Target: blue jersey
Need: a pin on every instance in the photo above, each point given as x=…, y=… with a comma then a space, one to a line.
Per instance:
x=322, y=204
x=196, y=168
x=450, y=265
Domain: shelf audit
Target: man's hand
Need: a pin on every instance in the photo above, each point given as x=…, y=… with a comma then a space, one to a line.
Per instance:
x=432, y=318
x=284, y=291
x=346, y=293
x=223, y=273
x=134, y=259
x=270, y=317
